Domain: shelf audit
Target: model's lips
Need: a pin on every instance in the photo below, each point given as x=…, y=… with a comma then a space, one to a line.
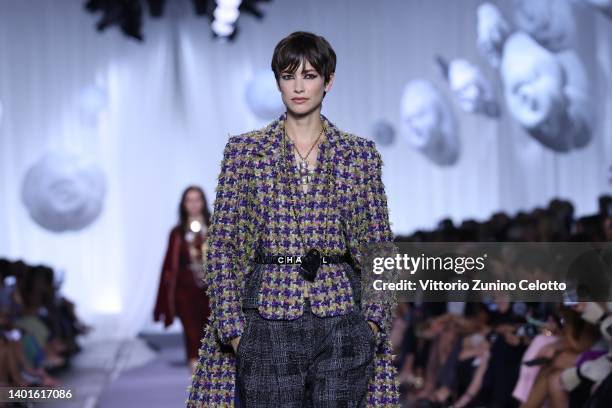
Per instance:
x=299, y=100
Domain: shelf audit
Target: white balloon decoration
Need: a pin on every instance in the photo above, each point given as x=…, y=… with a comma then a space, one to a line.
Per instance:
x=550, y=22
x=64, y=191
x=474, y=92
x=493, y=29
x=547, y=93
x=428, y=123
x=383, y=133
x=263, y=97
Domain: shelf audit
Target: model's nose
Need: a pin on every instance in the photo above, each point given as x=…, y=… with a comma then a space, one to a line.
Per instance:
x=299, y=85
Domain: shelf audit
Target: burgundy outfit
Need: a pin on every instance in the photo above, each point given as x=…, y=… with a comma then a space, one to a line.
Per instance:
x=179, y=294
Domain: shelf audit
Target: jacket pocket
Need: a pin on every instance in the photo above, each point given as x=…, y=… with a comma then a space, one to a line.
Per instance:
x=251, y=288
x=250, y=315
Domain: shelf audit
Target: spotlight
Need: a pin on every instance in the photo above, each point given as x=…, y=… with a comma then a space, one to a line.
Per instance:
x=226, y=15
x=222, y=29
x=224, y=18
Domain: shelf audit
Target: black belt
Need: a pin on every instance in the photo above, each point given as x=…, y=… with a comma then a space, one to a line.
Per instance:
x=309, y=263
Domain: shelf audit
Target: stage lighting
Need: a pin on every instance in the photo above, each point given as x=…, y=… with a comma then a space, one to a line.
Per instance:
x=250, y=6
x=222, y=29
x=224, y=17
x=226, y=14
x=201, y=7
x=156, y=7
x=127, y=14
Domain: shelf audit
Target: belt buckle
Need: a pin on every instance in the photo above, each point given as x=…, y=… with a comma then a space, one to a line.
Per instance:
x=310, y=264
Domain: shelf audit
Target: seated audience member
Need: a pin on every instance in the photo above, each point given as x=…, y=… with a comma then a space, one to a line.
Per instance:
x=576, y=337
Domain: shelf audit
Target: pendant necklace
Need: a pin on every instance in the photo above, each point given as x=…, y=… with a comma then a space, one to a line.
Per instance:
x=312, y=260
x=306, y=174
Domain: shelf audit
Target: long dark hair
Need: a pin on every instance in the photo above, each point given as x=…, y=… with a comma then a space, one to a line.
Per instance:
x=183, y=211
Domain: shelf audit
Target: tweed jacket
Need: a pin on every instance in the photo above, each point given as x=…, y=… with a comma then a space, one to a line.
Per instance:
x=260, y=206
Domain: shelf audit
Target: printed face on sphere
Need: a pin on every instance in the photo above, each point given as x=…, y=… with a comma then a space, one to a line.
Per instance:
x=550, y=22
x=546, y=93
x=493, y=29
x=473, y=91
x=533, y=80
x=428, y=123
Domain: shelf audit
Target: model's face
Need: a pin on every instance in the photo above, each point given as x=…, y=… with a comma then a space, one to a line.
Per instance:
x=302, y=90
x=533, y=82
x=193, y=203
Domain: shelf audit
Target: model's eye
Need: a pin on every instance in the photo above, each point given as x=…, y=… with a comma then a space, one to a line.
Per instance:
x=310, y=76
x=286, y=77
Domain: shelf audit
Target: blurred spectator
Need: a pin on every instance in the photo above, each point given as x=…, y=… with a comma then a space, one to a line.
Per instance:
x=505, y=354
x=39, y=326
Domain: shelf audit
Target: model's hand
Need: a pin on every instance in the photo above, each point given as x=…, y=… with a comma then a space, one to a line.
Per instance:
x=374, y=327
x=235, y=341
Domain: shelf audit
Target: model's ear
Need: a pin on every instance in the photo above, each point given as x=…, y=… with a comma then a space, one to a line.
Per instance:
x=329, y=83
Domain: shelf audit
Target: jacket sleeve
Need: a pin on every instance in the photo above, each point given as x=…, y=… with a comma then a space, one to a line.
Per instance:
x=164, y=305
x=224, y=249
x=378, y=306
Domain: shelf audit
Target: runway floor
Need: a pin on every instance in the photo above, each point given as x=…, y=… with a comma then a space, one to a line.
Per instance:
x=149, y=371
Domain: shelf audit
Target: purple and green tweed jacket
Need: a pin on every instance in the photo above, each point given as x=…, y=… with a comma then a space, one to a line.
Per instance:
x=259, y=203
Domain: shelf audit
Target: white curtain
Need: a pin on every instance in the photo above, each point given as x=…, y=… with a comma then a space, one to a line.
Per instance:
x=173, y=100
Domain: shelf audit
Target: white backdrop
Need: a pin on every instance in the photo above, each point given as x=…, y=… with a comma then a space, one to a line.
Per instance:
x=173, y=100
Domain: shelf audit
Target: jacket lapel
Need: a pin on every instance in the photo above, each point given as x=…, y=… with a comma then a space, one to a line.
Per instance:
x=336, y=173
x=271, y=137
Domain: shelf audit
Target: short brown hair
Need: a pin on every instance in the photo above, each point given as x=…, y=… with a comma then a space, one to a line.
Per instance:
x=299, y=46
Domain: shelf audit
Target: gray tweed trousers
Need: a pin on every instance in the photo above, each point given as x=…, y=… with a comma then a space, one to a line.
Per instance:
x=307, y=362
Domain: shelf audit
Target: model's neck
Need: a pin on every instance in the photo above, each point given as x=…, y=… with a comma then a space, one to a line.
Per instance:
x=304, y=128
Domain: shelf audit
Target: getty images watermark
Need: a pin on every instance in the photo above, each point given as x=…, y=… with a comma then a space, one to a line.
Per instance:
x=478, y=271
x=458, y=265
